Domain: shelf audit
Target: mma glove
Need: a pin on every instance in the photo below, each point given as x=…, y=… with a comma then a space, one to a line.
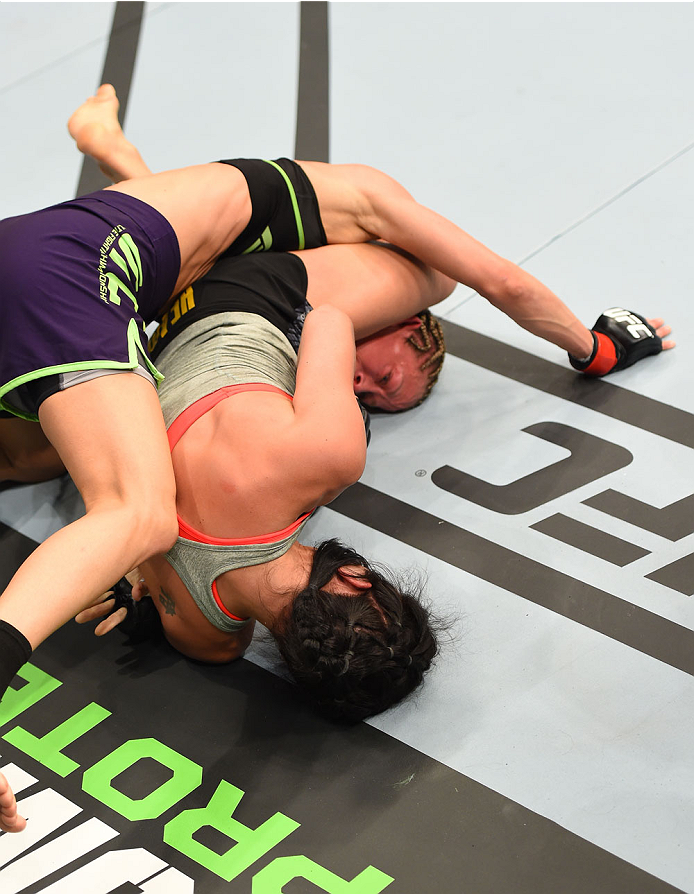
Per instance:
x=620, y=339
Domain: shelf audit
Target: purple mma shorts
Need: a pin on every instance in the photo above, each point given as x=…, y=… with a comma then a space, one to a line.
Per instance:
x=78, y=283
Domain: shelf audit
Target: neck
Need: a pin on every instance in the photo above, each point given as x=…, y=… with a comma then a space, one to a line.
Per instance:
x=283, y=578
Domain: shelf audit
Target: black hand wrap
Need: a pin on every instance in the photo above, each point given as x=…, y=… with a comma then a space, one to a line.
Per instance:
x=142, y=621
x=620, y=338
x=366, y=416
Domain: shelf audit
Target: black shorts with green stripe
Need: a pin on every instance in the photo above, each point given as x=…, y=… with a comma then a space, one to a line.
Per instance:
x=284, y=208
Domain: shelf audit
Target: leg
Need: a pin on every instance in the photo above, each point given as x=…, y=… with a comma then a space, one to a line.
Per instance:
x=357, y=204
x=207, y=205
x=26, y=454
x=96, y=130
x=110, y=433
x=121, y=464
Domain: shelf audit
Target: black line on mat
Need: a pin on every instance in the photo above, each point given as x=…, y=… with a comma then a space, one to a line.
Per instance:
x=313, y=106
x=674, y=521
x=593, y=608
x=118, y=70
x=678, y=575
x=594, y=394
x=590, y=540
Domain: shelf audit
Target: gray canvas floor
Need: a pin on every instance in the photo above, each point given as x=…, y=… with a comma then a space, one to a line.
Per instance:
x=562, y=136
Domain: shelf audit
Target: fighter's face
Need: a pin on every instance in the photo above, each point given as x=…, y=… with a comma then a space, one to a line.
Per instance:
x=387, y=373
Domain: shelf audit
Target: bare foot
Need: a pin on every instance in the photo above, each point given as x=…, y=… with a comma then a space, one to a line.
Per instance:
x=94, y=126
x=10, y=820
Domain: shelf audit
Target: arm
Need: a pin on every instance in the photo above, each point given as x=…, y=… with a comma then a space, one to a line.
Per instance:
x=508, y=287
x=359, y=203
x=328, y=429
x=376, y=285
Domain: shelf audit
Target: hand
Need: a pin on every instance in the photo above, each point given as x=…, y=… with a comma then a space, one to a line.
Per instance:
x=113, y=606
x=620, y=339
x=661, y=330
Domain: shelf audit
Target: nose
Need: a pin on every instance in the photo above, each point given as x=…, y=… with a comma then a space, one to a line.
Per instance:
x=363, y=381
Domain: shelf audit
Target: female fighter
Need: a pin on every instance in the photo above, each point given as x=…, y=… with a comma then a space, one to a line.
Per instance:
x=80, y=278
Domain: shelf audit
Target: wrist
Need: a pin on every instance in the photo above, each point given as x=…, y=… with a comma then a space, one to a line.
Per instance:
x=602, y=358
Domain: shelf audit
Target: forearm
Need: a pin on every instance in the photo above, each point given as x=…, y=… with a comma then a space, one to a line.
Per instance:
x=325, y=364
x=327, y=419
x=445, y=247
x=536, y=308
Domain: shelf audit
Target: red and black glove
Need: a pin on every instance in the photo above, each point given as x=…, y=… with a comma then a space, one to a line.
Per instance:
x=620, y=338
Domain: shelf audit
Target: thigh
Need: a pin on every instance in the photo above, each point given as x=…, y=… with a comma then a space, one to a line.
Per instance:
x=208, y=206
x=26, y=454
x=110, y=434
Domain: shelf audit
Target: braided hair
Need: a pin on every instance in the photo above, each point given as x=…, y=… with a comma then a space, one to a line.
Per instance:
x=355, y=656
x=429, y=336
x=427, y=339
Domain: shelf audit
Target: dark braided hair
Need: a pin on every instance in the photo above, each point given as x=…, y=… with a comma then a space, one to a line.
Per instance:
x=355, y=656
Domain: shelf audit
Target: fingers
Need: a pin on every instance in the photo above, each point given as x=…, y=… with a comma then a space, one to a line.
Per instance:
x=661, y=330
x=111, y=622
x=133, y=576
x=99, y=609
x=10, y=820
x=103, y=610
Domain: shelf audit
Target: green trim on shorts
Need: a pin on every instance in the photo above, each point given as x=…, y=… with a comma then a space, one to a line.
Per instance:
x=135, y=351
x=295, y=203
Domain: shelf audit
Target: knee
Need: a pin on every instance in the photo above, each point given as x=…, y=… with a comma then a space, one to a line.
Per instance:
x=147, y=527
x=158, y=528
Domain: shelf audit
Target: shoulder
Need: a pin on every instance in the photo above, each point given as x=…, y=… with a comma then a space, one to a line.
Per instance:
x=185, y=627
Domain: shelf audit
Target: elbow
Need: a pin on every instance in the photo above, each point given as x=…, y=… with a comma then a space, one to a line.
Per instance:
x=506, y=287
x=441, y=287
x=346, y=476
x=341, y=477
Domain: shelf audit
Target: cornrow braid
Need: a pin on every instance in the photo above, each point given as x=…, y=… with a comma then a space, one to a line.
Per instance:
x=355, y=655
x=429, y=337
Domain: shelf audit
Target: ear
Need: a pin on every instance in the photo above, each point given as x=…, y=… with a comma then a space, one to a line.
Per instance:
x=411, y=324
x=357, y=581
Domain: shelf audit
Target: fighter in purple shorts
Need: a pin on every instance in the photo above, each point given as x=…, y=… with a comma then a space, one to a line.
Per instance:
x=108, y=429
x=120, y=258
